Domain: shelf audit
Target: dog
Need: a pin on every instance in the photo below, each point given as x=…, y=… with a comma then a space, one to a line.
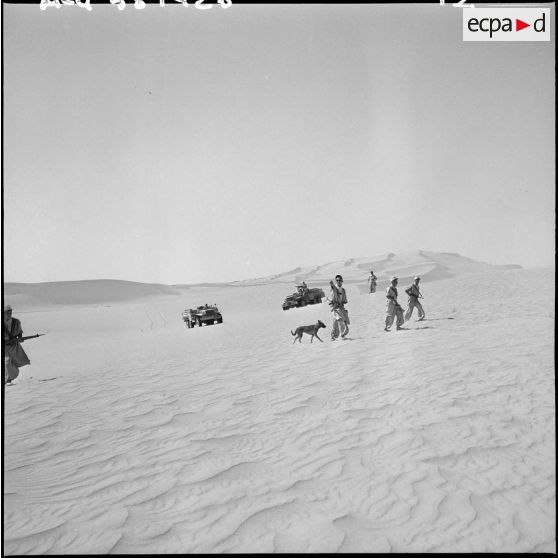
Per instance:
x=311, y=330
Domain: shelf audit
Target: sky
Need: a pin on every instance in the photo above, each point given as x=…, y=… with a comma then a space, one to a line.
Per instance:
x=177, y=145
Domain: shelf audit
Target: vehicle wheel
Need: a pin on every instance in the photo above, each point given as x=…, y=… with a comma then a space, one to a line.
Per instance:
x=220, y=321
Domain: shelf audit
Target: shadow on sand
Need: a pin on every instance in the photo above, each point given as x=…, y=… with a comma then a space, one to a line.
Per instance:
x=346, y=339
x=352, y=338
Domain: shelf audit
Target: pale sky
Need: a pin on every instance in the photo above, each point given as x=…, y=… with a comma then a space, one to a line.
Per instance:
x=175, y=145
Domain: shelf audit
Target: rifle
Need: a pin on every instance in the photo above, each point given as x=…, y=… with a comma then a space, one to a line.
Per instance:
x=411, y=294
x=20, y=339
x=32, y=336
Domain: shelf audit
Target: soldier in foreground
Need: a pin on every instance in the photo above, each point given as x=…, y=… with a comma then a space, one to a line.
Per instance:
x=414, y=295
x=337, y=299
x=393, y=308
x=14, y=355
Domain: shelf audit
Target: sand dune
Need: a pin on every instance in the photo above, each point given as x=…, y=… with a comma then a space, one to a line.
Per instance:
x=131, y=434
x=82, y=292
x=431, y=266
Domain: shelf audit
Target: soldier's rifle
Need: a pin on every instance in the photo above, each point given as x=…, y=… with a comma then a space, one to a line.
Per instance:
x=32, y=336
x=411, y=294
x=20, y=339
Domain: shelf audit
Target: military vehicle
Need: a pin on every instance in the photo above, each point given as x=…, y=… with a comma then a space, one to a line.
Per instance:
x=206, y=314
x=303, y=296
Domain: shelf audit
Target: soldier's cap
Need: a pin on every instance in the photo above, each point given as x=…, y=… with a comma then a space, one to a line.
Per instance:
x=417, y=278
x=395, y=278
x=7, y=307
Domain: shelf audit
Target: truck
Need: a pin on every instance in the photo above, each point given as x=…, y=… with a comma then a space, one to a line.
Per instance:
x=302, y=297
x=206, y=314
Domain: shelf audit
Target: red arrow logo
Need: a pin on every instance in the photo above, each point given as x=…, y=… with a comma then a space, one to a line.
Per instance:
x=519, y=25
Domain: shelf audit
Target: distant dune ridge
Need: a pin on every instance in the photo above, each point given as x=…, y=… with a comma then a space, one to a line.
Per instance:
x=84, y=292
x=431, y=266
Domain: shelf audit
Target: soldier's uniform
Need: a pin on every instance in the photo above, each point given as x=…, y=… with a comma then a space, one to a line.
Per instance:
x=337, y=299
x=372, y=282
x=414, y=294
x=393, y=308
x=14, y=355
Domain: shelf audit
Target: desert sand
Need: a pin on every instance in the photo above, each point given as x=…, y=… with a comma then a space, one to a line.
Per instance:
x=130, y=433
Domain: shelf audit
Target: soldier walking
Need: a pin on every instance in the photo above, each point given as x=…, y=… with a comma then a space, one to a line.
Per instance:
x=372, y=280
x=393, y=308
x=414, y=294
x=337, y=299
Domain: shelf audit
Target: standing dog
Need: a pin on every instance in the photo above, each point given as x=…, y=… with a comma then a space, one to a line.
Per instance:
x=311, y=330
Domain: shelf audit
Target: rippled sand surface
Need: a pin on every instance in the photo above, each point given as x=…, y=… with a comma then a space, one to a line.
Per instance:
x=131, y=434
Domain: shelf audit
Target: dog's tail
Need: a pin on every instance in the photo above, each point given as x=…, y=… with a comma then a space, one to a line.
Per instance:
x=293, y=334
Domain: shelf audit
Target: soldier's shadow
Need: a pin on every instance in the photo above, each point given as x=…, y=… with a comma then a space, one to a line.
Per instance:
x=351, y=338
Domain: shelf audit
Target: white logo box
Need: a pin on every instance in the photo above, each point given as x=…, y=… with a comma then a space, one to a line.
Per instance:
x=501, y=24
